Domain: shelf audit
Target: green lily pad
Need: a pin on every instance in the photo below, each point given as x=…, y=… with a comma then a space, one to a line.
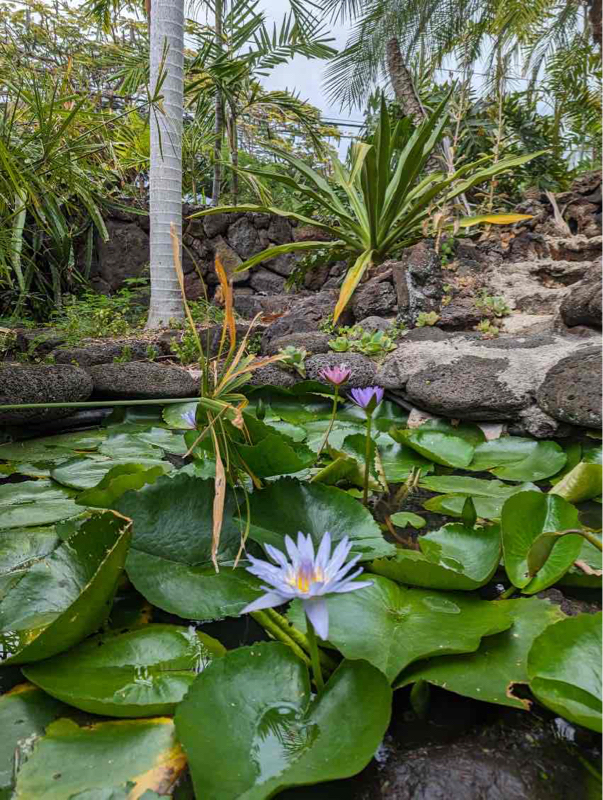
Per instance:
x=73, y=761
x=52, y=448
x=288, y=506
x=441, y=447
x=486, y=507
x=513, y=458
x=391, y=625
x=452, y=558
x=317, y=429
x=564, y=668
x=19, y=548
x=341, y=468
x=525, y=517
x=119, y=480
x=587, y=570
x=490, y=673
x=34, y=503
x=250, y=726
x=65, y=595
x=398, y=461
x=275, y=455
x=139, y=673
x=162, y=439
x=403, y=518
x=25, y=712
x=86, y=473
x=354, y=446
x=129, y=446
x=582, y=483
x=180, y=416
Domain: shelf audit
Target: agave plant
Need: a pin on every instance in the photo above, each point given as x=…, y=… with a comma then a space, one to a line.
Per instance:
x=382, y=202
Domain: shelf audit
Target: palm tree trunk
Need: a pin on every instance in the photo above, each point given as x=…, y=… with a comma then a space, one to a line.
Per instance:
x=167, y=56
x=219, y=113
x=234, y=153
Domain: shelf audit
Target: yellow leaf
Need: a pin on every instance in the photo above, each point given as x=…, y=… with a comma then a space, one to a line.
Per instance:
x=352, y=279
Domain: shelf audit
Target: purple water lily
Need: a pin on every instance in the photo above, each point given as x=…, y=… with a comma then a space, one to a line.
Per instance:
x=190, y=417
x=307, y=576
x=368, y=398
x=336, y=375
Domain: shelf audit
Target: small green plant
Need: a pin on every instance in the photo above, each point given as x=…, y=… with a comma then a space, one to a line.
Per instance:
x=254, y=344
x=294, y=358
x=98, y=316
x=487, y=329
x=328, y=326
x=125, y=356
x=187, y=349
x=426, y=319
x=496, y=304
x=151, y=352
x=397, y=330
x=447, y=251
x=357, y=340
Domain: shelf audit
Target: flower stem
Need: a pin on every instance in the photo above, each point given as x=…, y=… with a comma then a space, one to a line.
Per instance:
x=329, y=664
x=508, y=593
x=331, y=423
x=367, y=457
x=314, y=656
x=272, y=628
x=590, y=537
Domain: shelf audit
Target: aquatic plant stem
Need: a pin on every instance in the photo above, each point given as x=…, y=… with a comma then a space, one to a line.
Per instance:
x=328, y=663
x=272, y=628
x=508, y=593
x=590, y=537
x=367, y=457
x=314, y=656
x=331, y=423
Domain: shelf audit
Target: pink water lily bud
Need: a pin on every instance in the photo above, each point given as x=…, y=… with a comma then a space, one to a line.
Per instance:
x=336, y=375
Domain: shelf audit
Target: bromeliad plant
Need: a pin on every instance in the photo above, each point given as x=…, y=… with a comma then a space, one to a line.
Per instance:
x=381, y=204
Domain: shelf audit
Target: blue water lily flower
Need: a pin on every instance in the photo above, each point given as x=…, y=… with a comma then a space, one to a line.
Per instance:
x=307, y=576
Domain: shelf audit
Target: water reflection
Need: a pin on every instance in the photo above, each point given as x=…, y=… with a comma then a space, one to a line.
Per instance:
x=282, y=736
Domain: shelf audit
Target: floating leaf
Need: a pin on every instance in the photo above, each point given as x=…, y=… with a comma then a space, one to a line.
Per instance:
x=25, y=712
x=391, y=625
x=288, y=506
x=18, y=549
x=250, y=726
x=582, y=483
x=586, y=571
x=139, y=673
x=399, y=461
x=564, y=668
x=453, y=558
x=180, y=415
x=119, y=480
x=274, y=455
x=71, y=760
x=52, y=448
x=34, y=503
x=66, y=595
x=441, y=447
x=525, y=517
x=501, y=660
x=403, y=518
x=486, y=507
x=86, y=473
x=516, y=459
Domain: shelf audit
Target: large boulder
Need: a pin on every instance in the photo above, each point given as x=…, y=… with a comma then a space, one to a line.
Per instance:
x=124, y=255
x=141, y=381
x=418, y=281
x=583, y=303
x=571, y=389
x=467, y=377
x=376, y=297
x=265, y=281
x=91, y=353
x=306, y=315
x=37, y=383
x=244, y=239
x=311, y=341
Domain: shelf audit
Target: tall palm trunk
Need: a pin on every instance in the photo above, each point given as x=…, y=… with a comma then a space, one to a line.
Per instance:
x=167, y=56
x=219, y=112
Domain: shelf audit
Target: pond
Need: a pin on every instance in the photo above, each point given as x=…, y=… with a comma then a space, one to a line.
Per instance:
x=166, y=633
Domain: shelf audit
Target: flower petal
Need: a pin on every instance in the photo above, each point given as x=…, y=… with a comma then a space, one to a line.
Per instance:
x=351, y=586
x=269, y=600
x=318, y=614
x=277, y=555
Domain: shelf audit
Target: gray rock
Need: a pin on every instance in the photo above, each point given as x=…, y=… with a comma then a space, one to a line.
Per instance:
x=464, y=376
x=215, y=224
x=262, y=280
x=244, y=239
x=259, y=219
x=571, y=389
x=460, y=315
x=38, y=342
x=273, y=375
x=124, y=255
x=305, y=315
x=372, y=324
x=312, y=342
x=376, y=297
x=426, y=334
x=283, y=264
x=363, y=369
x=575, y=248
x=139, y=380
x=105, y=352
x=583, y=303
x=36, y=383
x=418, y=281
x=533, y=421
x=229, y=259
x=279, y=230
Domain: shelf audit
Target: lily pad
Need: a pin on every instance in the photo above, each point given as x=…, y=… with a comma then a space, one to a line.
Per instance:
x=288, y=506
x=398, y=461
x=582, y=483
x=25, y=712
x=34, y=503
x=19, y=548
x=564, y=667
x=65, y=595
x=587, y=570
x=513, y=458
x=119, y=480
x=404, y=518
x=486, y=506
x=250, y=726
x=53, y=448
x=452, y=558
x=391, y=625
x=71, y=760
x=525, y=517
x=86, y=473
x=317, y=429
x=140, y=673
x=490, y=673
x=441, y=447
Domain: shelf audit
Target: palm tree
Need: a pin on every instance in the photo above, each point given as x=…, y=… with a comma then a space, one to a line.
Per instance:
x=165, y=180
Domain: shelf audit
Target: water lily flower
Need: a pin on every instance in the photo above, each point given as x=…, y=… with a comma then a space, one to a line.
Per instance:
x=306, y=576
x=335, y=375
x=190, y=417
x=368, y=399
